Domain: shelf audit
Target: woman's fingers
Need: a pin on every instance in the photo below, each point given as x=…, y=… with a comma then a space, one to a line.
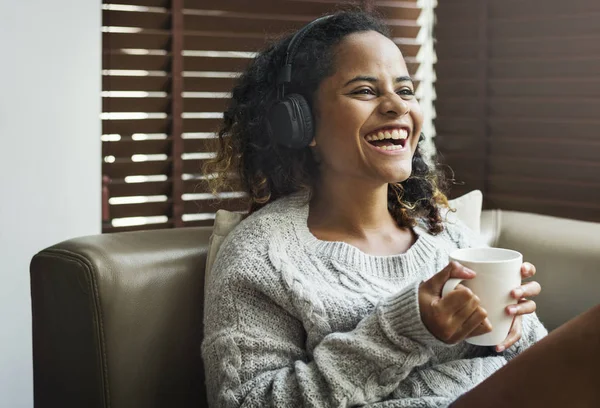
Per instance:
x=513, y=335
x=527, y=270
x=483, y=328
x=524, y=307
x=459, y=299
x=528, y=289
x=475, y=322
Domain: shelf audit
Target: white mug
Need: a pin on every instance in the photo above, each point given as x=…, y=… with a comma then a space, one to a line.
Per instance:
x=498, y=273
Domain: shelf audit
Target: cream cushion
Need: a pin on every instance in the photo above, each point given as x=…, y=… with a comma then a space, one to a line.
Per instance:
x=225, y=222
x=468, y=210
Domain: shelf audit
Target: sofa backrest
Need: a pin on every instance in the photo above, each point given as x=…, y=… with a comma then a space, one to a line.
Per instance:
x=566, y=254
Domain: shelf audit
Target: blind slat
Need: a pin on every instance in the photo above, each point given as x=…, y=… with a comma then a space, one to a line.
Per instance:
x=193, y=166
x=138, y=19
x=201, y=125
x=161, y=104
x=460, y=107
x=192, y=84
x=212, y=205
x=127, y=148
x=584, y=66
x=146, y=39
x=538, y=146
x=548, y=189
x=145, y=3
x=136, y=83
x=563, y=170
x=140, y=210
x=119, y=188
x=215, y=42
x=122, y=61
x=200, y=145
x=556, y=128
x=567, y=209
x=205, y=104
x=123, y=168
x=147, y=104
x=131, y=126
x=564, y=108
x=540, y=8
x=553, y=26
x=563, y=47
x=215, y=64
x=455, y=125
x=545, y=87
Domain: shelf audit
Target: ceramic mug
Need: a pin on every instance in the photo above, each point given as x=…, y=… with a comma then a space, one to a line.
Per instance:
x=498, y=273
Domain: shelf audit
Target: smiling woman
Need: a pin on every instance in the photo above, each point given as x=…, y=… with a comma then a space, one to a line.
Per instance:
x=353, y=99
x=329, y=293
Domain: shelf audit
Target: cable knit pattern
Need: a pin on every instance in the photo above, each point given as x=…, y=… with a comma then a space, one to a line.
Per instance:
x=293, y=321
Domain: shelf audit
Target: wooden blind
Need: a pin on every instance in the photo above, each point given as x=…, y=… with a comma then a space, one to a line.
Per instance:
x=518, y=96
x=168, y=68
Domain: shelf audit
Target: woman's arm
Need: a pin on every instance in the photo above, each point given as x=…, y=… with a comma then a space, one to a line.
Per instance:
x=255, y=354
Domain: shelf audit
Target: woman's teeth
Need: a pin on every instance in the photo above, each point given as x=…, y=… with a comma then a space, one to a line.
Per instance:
x=393, y=147
x=393, y=134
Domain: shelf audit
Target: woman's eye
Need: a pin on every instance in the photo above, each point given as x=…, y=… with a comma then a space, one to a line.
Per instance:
x=365, y=91
x=406, y=92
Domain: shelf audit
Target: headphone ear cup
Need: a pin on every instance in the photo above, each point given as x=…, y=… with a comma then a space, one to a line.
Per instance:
x=305, y=118
x=290, y=122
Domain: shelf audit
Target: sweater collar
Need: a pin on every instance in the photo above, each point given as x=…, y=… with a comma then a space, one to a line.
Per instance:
x=388, y=266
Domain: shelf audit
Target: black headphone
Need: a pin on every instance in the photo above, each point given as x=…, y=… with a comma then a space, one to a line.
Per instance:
x=290, y=120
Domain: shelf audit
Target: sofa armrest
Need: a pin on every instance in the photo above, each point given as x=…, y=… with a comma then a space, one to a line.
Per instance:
x=117, y=320
x=565, y=252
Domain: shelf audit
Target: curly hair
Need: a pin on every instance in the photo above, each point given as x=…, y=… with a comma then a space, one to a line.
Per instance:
x=268, y=171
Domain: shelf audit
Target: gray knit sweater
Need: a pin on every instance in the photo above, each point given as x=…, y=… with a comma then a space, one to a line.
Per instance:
x=293, y=321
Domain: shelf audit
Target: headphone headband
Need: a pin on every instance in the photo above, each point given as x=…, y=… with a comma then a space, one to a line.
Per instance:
x=285, y=74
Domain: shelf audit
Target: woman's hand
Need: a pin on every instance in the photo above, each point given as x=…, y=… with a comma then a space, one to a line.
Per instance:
x=524, y=306
x=457, y=315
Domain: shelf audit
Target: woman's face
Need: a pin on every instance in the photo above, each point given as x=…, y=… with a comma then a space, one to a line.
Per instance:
x=368, y=120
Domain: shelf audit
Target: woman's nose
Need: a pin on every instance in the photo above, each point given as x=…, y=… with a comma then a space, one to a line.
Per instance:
x=394, y=105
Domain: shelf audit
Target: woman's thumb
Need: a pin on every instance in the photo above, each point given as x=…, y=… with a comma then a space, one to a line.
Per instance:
x=452, y=270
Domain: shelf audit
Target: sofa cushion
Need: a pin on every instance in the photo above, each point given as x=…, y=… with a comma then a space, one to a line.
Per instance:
x=468, y=210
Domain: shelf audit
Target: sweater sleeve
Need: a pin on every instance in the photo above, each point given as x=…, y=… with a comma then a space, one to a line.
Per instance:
x=255, y=350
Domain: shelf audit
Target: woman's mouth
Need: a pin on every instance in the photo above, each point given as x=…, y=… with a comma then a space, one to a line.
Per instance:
x=388, y=139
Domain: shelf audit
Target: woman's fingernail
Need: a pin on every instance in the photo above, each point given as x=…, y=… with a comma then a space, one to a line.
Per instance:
x=500, y=349
x=512, y=310
x=470, y=272
x=518, y=293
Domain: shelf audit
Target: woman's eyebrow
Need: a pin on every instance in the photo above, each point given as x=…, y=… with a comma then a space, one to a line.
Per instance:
x=374, y=80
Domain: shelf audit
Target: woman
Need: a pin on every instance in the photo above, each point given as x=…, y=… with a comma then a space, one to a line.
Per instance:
x=328, y=293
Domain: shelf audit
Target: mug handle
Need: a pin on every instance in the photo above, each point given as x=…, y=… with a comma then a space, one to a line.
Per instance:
x=450, y=285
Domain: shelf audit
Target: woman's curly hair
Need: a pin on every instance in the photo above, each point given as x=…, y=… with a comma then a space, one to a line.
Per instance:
x=267, y=170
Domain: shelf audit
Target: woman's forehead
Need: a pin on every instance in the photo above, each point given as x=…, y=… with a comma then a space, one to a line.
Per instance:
x=369, y=53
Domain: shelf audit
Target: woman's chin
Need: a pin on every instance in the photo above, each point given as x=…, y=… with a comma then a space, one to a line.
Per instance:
x=398, y=175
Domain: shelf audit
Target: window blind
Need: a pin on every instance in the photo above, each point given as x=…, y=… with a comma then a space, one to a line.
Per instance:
x=518, y=96
x=168, y=69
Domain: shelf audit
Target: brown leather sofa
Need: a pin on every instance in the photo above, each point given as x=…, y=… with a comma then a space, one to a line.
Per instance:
x=117, y=318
